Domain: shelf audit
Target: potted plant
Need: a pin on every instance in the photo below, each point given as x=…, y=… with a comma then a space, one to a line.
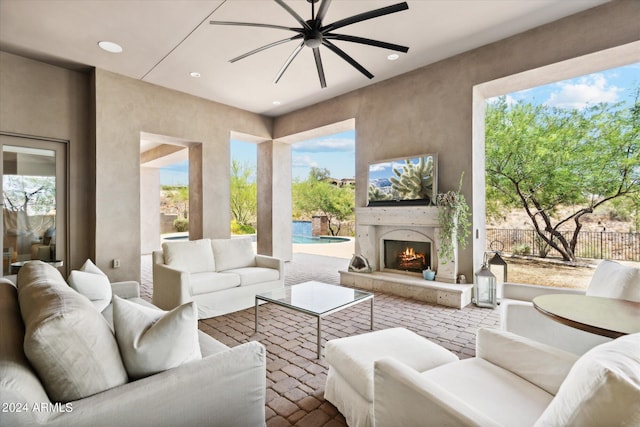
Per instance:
x=453, y=218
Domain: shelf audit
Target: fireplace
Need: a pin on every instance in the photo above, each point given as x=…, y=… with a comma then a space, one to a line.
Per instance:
x=406, y=255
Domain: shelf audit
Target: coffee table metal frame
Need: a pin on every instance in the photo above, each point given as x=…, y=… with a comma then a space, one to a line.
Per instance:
x=271, y=297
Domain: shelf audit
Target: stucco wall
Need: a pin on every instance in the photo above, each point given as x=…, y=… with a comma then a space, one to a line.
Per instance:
x=124, y=108
x=52, y=102
x=430, y=109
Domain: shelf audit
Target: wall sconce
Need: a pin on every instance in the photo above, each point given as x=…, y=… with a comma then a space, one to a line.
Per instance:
x=484, y=287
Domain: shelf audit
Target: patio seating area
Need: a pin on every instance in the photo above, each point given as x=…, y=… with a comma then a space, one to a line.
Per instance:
x=295, y=378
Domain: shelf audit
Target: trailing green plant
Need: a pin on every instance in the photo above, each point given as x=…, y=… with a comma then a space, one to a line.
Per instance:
x=181, y=225
x=453, y=218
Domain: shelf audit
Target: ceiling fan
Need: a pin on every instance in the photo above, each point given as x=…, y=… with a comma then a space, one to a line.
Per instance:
x=313, y=34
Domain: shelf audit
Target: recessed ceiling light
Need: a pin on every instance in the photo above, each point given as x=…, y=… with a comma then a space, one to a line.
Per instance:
x=194, y=74
x=110, y=46
x=393, y=57
x=276, y=103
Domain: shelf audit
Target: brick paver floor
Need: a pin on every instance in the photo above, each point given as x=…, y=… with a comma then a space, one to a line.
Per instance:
x=295, y=378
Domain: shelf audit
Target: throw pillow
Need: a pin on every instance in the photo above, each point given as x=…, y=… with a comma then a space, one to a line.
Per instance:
x=602, y=388
x=153, y=340
x=233, y=253
x=90, y=267
x=614, y=280
x=94, y=286
x=69, y=344
x=194, y=256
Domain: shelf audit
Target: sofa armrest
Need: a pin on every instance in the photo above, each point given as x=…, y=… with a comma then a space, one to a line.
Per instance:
x=127, y=289
x=171, y=287
x=224, y=389
x=270, y=262
x=538, y=363
x=526, y=292
x=402, y=397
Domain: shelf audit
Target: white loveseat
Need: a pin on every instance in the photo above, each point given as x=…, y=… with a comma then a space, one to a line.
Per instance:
x=610, y=279
x=60, y=365
x=514, y=381
x=220, y=275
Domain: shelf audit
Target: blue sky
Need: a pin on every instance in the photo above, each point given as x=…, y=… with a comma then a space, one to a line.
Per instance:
x=337, y=152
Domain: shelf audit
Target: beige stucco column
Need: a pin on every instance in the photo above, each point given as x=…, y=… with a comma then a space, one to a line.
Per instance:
x=149, y=209
x=274, y=199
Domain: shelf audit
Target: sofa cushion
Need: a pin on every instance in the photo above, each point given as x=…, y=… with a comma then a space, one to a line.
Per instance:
x=253, y=275
x=153, y=340
x=502, y=395
x=233, y=253
x=94, y=286
x=204, y=283
x=614, y=280
x=67, y=341
x=90, y=267
x=602, y=388
x=193, y=256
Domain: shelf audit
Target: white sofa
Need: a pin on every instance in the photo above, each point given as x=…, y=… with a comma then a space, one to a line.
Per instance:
x=514, y=381
x=220, y=275
x=60, y=365
x=610, y=279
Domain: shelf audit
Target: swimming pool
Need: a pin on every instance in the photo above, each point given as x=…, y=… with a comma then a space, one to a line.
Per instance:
x=317, y=240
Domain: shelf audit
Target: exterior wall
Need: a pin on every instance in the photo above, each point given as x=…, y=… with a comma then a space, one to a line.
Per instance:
x=431, y=109
x=46, y=101
x=124, y=108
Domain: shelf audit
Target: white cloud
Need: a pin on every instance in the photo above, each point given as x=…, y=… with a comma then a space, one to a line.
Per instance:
x=325, y=145
x=378, y=167
x=303, y=162
x=587, y=90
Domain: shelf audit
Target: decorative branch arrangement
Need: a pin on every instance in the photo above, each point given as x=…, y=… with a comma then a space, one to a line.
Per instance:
x=453, y=217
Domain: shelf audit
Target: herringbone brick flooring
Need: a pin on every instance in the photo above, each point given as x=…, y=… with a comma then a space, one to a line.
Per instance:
x=295, y=378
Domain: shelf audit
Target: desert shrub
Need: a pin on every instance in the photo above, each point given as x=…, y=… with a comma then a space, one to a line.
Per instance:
x=522, y=249
x=181, y=225
x=237, y=228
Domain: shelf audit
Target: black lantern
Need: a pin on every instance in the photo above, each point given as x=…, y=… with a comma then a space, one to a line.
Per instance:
x=498, y=267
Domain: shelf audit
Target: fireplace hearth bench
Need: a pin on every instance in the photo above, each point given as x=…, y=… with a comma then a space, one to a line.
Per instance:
x=447, y=294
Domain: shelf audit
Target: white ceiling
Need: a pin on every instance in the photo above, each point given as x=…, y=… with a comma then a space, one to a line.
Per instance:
x=165, y=40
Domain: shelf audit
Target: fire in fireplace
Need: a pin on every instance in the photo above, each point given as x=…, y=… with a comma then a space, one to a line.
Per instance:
x=406, y=255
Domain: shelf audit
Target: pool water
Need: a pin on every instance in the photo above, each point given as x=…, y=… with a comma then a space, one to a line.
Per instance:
x=317, y=240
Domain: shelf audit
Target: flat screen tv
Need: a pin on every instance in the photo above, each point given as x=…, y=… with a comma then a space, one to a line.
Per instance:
x=404, y=181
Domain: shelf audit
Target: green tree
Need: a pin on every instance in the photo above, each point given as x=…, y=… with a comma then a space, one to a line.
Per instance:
x=542, y=158
x=244, y=193
x=316, y=196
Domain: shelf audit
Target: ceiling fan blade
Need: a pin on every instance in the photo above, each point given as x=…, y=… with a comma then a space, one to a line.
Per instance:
x=288, y=62
x=255, y=24
x=265, y=47
x=366, y=15
x=366, y=41
x=322, y=11
x=293, y=13
x=342, y=54
x=316, y=55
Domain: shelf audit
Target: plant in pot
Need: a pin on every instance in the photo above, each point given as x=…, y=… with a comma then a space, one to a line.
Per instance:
x=453, y=218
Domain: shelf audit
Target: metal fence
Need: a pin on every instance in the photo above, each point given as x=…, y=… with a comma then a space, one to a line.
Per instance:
x=591, y=244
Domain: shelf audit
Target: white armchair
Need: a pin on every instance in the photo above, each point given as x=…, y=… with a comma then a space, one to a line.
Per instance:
x=514, y=381
x=611, y=279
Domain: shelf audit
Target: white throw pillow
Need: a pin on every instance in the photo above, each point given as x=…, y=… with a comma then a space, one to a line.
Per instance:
x=233, y=253
x=195, y=256
x=602, y=388
x=153, y=340
x=90, y=267
x=94, y=286
x=614, y=280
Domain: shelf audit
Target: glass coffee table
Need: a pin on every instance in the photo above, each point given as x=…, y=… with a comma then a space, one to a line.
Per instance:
x=316, y=299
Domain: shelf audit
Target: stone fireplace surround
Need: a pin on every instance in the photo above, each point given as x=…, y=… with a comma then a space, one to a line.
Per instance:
x=411, y=223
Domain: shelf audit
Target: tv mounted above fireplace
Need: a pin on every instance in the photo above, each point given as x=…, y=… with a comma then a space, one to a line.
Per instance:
x=404, y=181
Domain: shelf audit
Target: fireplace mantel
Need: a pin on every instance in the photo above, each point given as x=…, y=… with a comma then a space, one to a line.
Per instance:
x=421, y=216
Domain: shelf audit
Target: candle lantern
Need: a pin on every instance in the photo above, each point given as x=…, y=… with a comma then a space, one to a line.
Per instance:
x=484, y=287
x=498, y=267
